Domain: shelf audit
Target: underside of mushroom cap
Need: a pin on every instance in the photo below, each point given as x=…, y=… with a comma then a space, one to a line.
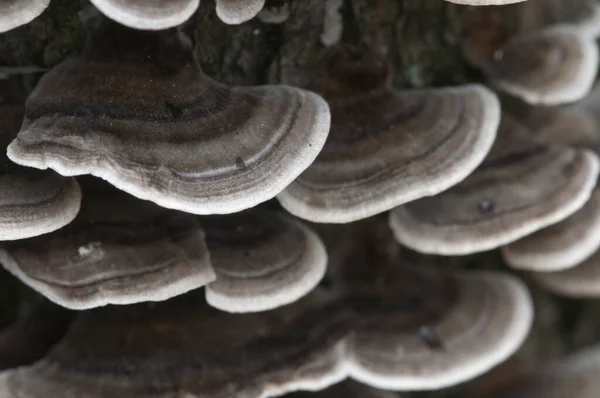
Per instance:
x=119, y=250
x=560, y=246
x=262, y=260
x=235, y=12
x=524, y=185
x=388, y=147
x=32, y=202
x=552, y=66
x=485, y=2
x=181, y=347
x=486, y=324
x=148, y=14
x=582, y=281
x=14, y=13
x=136, y=111
x=574, y=376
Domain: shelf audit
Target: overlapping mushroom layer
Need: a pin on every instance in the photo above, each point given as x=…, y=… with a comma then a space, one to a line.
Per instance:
x=358, y=329
x=207, y=148
x=388, y=147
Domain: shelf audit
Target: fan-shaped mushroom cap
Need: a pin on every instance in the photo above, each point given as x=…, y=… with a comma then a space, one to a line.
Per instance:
x=119, y=250
x=569, y=242
x=262, y=260
x=235, y=12
x=523, y=186
x=14, y=13
x=582, y=280
x=583, y=14
x=180, y=347
x=485, y=2
x=389, y=147
x=38, y=327
x=550, y=66
x=574, y=376
x=32, y=202
x=559, y=246
x=136, y=111
x=486, y=324
x=148, y=14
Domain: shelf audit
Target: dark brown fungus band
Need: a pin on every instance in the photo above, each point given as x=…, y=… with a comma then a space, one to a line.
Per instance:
x=388, y=147
x=148, y=14
x=574, y=376
x=119, y=250
x=137, y=111
x=38, y=327
x=262, y=260
x=235, y=12
x=524, y=185
x=14, y=13
x=551, y=66
x=32, y=202
x=567, y=243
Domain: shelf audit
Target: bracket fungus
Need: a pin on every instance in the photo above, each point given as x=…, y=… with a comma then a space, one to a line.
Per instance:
x=346, y=389
x=137, y=111
x=262, y=260
x=524, y=185
x=32, y=202
x=235, y=12
x=15, y=13
x=387, y=147
x=119, y=250
x=148, y=15
x=551, y=66
x=567, y=243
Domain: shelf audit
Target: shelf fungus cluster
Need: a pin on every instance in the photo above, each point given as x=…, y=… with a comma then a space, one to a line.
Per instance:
x=184, y=237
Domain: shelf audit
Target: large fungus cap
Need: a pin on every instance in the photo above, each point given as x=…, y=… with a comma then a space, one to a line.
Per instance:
x=148, y=14
x=524, y=185
x=135, y=110
x=262, y=260
x=32, y=202
x=551, y=66
x=14, y=13
x=388, y=147
x=119, y=250
x=237, y=11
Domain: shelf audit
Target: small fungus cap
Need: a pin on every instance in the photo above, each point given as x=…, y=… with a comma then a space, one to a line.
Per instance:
x=235, y=12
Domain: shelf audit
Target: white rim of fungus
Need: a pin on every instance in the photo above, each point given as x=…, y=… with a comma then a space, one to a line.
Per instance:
x=43, y=224
x=581, y=82
x=139, y=18
x=568, y=283
x=313, y=269
x=516, y=331
x=232, y=13
x=485, y=2
x=22, y=14
x=554, y=260
x=434, y=185
x=124, y=180
x=105, y=297
x=430, y=244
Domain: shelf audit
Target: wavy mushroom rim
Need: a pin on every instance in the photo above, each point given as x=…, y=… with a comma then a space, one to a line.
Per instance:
x=516, y=333
x=314, y=267
x=19, y=16
x=402, y=233
x=136, y=18
x=578, y=87
x=434, y=185
x=233, y=14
